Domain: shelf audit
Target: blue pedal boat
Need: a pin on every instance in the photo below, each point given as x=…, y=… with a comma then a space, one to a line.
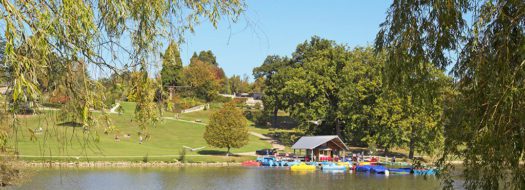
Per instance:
x=333, y=166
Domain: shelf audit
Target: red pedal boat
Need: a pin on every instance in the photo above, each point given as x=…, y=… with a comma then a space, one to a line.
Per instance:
x=250, y=163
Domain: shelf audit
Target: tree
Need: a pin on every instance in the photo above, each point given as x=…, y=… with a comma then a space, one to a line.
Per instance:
x=245, y=84
x=201, y=77
x=227, y=129
x=234, y=84
x=388, y=122
x=360, y=85
x=98, y=34
x=223, y=80
x=207, y=57
x=258, y=85
x=312, y=90
x=484, y=123
x=171, y=72
x=238, y=84
x=226, y=87
x=273, y=71
x=2, y=64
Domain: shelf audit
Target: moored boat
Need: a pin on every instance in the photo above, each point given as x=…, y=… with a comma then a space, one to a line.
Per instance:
x=400, y=170
x=378, y=169
x=333, y=166
x=363, y=168
x=268, y=161
x=346, y=164
x=250, y=163
x=303, y=167
x=364, y=163
x=424, y=171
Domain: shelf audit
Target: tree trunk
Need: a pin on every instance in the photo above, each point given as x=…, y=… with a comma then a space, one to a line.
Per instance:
x=411, y=144
x=337, y=128
x=275, y=112
x=228, y=153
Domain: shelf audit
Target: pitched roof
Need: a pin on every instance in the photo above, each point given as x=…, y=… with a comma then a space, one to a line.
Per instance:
x=310, y=142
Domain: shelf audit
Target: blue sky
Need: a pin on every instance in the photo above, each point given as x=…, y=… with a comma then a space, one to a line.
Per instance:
x=275, y=27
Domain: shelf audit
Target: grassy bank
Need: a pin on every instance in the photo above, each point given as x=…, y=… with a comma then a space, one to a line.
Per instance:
x=67, y=142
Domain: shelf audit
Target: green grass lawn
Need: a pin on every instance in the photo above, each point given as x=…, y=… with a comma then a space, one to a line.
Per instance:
x=166, y=142
x=203, y=116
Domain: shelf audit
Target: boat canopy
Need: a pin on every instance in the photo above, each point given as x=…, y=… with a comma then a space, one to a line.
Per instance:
x=312, y=142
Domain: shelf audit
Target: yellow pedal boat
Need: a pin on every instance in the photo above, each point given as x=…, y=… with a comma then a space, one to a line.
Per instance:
x=303, y=167
x=346, y=164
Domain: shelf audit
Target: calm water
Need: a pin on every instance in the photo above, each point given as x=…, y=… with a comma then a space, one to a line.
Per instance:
x=219, y=178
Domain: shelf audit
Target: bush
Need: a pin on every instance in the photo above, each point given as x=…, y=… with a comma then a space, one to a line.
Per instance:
x=177, y=103
x=257, y=106
x=239, y=102
x=145, y=159
x=182, y=155
x=248, y=114
x=256, y=116
x=222, y=99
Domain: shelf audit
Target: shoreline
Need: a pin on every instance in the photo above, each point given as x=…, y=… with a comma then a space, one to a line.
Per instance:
x=123, y=164
x=131, y=164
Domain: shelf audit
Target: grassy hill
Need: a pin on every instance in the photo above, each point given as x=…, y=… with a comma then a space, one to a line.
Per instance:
x=67, y=142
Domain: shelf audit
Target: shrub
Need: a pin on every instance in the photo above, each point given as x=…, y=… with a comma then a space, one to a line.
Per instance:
x=177, y=103
x=239, y=102
x=222, y=99
x=145, y=159
x=182, y=155
x=256, y=116
x=248, y=114
x=257, y=106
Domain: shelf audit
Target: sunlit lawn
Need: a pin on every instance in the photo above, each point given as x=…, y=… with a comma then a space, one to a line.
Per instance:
x=167, y=138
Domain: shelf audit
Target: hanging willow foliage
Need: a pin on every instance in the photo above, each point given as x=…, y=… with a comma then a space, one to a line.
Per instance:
x=60, y=41
x=485, y=120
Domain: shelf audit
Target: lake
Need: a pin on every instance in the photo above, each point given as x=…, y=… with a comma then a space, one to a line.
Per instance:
x=219, y=178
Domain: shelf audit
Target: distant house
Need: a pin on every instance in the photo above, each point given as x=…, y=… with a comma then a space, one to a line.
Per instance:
x=243, y=95
x=321, y=148
x=232, y=96
x=254, y=95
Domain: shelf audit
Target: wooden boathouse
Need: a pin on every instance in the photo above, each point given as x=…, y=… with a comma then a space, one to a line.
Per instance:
x=321, y=148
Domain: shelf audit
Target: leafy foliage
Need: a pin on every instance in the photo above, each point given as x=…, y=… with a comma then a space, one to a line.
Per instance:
x=227, y=128
x=206, y=56
x=237, y=85
x=484, y=121
x=171, y=72
x=273, y=71
x=330, y=89
x=201, y=77
x=74, y=36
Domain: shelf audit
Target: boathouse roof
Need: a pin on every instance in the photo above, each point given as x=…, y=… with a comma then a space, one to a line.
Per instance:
x=311, y=142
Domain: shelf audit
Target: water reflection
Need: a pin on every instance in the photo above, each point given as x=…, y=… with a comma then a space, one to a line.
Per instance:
x=221, y=178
